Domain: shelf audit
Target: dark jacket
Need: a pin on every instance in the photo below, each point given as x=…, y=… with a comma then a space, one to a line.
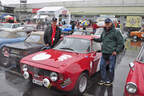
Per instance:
x=48, y=35
x=111, y=41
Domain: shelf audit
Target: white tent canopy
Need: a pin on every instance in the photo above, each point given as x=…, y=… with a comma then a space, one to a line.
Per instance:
x=55, y=12
x=50, y=9
x=40, y=17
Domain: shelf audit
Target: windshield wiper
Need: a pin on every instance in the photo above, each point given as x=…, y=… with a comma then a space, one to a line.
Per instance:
x=67, y=48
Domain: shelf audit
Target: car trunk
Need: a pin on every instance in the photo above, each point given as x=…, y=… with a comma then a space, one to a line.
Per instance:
x=23, y=48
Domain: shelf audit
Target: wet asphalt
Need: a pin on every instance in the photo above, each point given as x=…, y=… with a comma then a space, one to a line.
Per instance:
x=12, y=84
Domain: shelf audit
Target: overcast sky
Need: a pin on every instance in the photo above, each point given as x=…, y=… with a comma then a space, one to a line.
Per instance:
x=33, y=1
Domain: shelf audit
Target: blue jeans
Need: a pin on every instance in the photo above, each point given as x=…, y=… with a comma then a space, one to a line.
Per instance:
x=107, y=75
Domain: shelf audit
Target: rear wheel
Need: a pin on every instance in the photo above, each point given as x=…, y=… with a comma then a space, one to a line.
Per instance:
x=81, y=84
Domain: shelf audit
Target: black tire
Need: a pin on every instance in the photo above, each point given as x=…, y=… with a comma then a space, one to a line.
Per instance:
x=76, y=91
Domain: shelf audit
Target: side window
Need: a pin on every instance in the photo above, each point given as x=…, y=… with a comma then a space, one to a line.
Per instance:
x=14, y=26
x=17, y=25
x=96, y=46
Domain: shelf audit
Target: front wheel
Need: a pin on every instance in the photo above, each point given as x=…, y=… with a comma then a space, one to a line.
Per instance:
x=81, y=84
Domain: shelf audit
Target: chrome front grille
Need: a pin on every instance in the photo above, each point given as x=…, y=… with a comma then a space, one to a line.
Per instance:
x=14, y=51
x=39, y=71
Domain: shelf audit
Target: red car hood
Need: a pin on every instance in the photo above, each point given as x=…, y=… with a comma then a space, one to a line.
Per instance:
x=53, y=58
x=137, y=76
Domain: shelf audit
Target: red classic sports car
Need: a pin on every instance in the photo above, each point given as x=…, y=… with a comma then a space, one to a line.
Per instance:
x=67, y=66
x=135, y=80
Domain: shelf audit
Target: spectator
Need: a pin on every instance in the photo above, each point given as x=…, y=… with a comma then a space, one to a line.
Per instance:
x=52, y=34
x=112, y=44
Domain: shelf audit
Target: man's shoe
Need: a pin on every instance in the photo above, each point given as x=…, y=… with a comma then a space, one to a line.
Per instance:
x=108, y=84
x=101, y=82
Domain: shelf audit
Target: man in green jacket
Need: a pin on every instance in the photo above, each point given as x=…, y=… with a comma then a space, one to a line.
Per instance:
x=112, y=44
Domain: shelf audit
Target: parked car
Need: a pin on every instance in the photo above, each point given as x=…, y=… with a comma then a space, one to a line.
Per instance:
x=9, y=38
x=135, y=79
x=16, y=51
x=29, y=28
x=137, y=34
x=66, y=29
x=67, y=66
x=99, y=32
x=78, y=33
x=12, y=27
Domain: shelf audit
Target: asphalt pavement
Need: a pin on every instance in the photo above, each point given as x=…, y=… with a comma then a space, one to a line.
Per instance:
x=12, y=84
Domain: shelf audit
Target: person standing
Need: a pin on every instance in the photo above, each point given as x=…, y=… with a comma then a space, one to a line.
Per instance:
x=94, y=26
x=78, y=25
x=112, y=44
x=73, y=26
x=52, y=34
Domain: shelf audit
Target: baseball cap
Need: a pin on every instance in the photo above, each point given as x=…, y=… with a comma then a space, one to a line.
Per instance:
x=108, y=20
x=54, y=19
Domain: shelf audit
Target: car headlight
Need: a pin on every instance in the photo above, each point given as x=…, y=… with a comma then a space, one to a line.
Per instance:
x=24, y=67
x=26, y=75
x=131, y=87
x=131, y=65
x=53, y=76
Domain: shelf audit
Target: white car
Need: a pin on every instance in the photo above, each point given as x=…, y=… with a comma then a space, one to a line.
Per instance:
x=98, y=32
x=12, y=27
x=29, y=28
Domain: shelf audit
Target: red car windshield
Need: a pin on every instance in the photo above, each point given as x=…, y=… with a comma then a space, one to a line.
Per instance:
x=74, y=44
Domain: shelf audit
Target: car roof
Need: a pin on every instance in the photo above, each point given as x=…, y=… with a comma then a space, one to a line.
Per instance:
x=37, y=33
x=89, y=37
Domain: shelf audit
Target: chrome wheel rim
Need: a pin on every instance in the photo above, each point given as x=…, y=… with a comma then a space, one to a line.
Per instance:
x=83, y=84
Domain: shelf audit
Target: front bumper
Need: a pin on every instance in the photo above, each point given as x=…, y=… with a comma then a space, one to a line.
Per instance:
x=63, y=85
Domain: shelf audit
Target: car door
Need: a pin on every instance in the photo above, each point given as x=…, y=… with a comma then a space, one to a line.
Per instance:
x=96, y=54
x=19, y=27
x=14, y=28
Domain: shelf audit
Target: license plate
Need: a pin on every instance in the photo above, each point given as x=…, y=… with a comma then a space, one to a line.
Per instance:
x=38, y=82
